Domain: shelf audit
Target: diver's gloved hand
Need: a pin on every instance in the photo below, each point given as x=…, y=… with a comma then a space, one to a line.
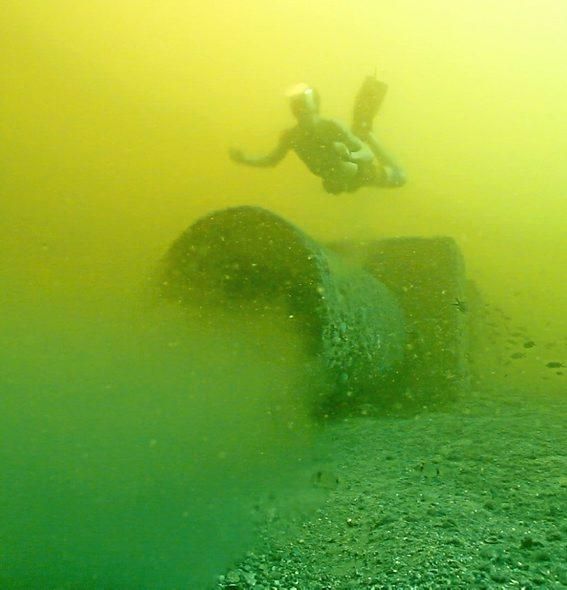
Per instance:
x=236, y=155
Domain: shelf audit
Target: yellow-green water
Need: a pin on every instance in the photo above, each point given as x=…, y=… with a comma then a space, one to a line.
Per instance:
x=115, y=119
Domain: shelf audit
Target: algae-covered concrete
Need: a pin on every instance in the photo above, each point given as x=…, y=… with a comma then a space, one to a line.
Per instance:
x=386, y=319
x=427, y=277
x=247, y=258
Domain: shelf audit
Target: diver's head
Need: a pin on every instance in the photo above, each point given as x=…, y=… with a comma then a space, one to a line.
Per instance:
x=304, y=102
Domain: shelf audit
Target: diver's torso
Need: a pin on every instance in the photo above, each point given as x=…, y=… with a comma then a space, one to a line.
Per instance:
x=314, y=146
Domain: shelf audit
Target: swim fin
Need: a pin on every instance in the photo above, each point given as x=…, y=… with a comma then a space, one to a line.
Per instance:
x=366, y=105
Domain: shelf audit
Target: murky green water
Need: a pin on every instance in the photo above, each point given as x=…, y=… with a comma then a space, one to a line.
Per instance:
x=132, y=440
x=132, y=446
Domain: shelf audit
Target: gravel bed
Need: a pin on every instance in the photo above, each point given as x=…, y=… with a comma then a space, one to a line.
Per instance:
x=471, y=498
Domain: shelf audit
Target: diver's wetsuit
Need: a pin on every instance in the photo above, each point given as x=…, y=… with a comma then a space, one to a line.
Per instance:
x=330, y=150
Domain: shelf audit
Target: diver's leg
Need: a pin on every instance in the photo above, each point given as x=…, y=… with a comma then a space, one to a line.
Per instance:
x=393, y=174
x=389, y=177
x=341, y=178
x=366, y=105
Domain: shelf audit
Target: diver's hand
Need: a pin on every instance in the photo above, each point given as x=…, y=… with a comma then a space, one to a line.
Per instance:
x=236, y=155
x=342, y=150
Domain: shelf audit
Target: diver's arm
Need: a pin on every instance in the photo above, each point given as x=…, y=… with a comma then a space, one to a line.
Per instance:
x=266, y=161
x=358, y=151
x=395, y=174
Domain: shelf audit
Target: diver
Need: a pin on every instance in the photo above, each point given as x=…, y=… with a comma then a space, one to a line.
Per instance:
x=345, y=159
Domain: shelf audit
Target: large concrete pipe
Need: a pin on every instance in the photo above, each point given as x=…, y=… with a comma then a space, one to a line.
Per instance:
x=248, y=258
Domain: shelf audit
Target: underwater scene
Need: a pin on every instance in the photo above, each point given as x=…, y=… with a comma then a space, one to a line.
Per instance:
x=282, y=295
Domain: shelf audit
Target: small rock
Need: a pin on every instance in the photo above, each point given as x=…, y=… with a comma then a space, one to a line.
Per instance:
x=233, y=577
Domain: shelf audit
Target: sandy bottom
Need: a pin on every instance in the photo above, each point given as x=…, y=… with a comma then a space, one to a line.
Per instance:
x=471, y=498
